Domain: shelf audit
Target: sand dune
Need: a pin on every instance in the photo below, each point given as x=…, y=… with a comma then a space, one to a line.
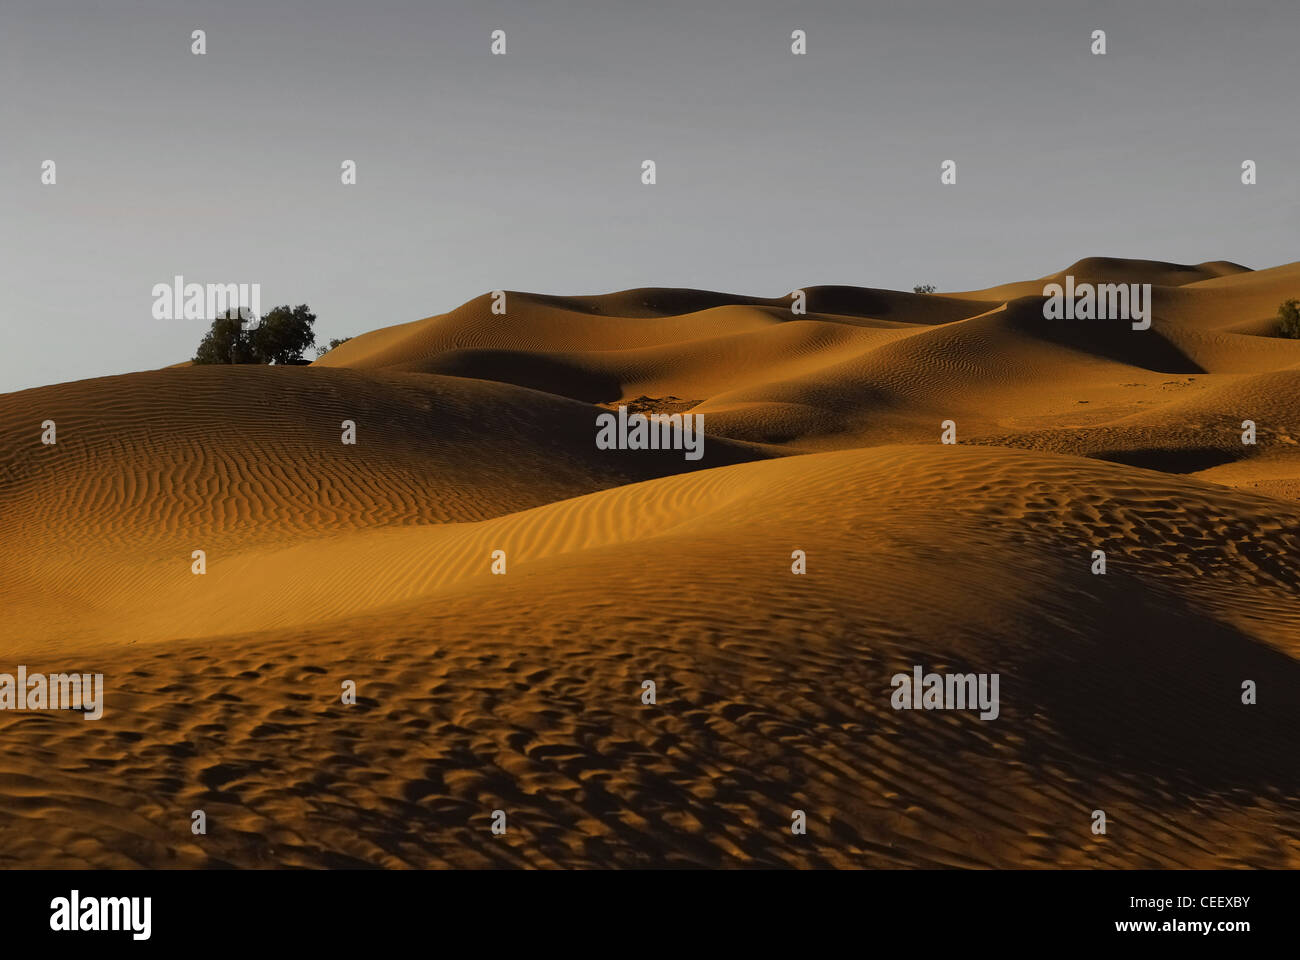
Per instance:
x=150, y=467
x=372, y=563
x=1115, y=270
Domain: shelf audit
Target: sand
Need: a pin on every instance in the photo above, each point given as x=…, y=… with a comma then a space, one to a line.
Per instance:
x=372, y=563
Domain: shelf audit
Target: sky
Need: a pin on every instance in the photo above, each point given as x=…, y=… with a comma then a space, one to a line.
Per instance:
x=523, y=172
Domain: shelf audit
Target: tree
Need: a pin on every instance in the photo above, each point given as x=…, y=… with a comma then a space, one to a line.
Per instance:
x=924, y=288
x=281, y=337
x=284, y=334
x=226, y=342
x=1288, y=319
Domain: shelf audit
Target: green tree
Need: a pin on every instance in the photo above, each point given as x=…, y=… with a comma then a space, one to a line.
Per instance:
x=924, y=288
x=1288, y=319
x=226, y=342
x=284, y=334
x=280, y=337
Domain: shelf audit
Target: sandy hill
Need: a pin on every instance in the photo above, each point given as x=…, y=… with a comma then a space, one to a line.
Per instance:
x=372, y=563
x=150, y=467
x=1098, y=270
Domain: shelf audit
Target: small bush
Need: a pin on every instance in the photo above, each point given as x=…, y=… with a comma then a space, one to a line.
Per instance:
x=337, y=341
x=1288, y=319
x=924, y=288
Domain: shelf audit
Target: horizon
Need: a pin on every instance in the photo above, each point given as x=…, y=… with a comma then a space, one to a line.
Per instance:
x=323, y=340
x=477, y=172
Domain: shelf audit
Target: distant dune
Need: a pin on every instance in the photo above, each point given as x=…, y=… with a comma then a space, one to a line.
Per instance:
x=475, y=433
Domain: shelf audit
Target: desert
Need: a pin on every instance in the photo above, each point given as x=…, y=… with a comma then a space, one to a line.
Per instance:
x=519, y=688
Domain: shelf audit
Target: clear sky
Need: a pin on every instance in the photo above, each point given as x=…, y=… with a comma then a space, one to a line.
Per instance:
x=478, y=172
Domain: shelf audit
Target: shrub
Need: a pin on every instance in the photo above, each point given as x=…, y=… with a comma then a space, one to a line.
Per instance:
x=336, y=342
x=1288, y=319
